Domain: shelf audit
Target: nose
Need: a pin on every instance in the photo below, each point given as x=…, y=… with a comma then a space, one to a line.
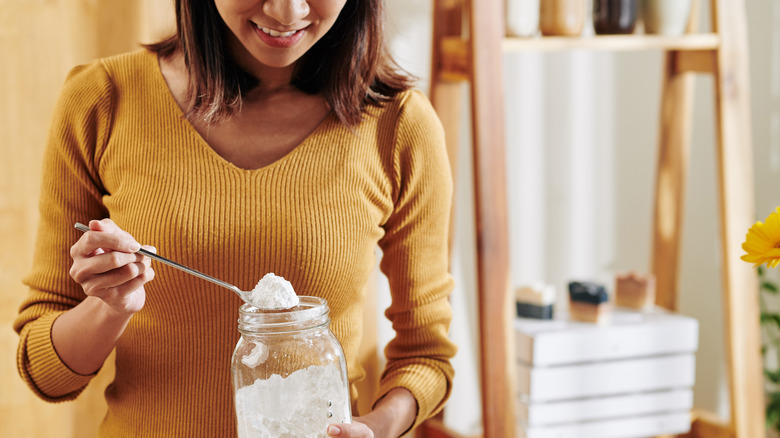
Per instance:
x=286, y=12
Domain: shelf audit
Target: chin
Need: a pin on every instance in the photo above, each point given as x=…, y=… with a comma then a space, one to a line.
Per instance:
x=278, y=62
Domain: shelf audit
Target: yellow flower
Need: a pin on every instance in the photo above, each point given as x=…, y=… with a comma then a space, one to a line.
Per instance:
x=762, y=242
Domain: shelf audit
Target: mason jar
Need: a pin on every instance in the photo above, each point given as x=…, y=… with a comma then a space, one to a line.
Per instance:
x=289, y=372
x=614, y=17
x=522, y=17
x=666, y=17
x=562, y=17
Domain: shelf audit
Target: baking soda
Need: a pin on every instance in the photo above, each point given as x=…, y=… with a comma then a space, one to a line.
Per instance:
x=257, y=356
x=273, y=292
x=302, y=405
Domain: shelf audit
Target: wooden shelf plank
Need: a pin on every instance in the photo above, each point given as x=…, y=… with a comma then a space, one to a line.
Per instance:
x=457, y=47
x=454, y=50
x=637, y=42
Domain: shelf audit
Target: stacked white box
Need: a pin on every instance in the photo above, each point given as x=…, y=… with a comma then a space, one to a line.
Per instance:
x=632, y=377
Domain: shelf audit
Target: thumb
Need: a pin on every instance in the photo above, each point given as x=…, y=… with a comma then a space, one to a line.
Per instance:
x=351, y=430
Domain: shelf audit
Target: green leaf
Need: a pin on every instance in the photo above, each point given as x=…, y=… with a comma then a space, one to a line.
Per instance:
x=770, y=318
x=774, y=377
x=769, y=287
x=772, y=416
x=773, y=410
x=774, y=400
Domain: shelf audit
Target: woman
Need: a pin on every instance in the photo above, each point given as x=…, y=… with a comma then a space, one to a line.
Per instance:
x=264, y=136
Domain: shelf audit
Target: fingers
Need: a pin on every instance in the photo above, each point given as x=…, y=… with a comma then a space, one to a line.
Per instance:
x=115, y=285
x=351, y=430
x=106, y=264
x=105, y=236
x=116, y=292
x=107, y=225
x=110, y=270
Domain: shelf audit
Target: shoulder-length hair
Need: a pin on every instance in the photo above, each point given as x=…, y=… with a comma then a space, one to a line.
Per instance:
x=350, y=66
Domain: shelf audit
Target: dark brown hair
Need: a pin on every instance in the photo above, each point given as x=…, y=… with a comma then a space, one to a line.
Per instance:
x=350, y=66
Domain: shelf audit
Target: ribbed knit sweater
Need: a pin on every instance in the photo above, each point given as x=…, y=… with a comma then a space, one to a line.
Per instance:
x=120, y=147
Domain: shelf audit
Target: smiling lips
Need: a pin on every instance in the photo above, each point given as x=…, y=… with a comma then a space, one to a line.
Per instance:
x=281, y=40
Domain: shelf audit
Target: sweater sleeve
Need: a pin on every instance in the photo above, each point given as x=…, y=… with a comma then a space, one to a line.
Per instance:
x=70, y=192
x=415, y=260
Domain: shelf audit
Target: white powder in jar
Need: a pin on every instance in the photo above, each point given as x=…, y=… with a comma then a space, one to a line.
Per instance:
x=302, y=405
x=257, y=356
x=273, y=292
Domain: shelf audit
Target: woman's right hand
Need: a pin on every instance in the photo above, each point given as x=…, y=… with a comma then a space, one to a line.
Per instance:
x=106, y=265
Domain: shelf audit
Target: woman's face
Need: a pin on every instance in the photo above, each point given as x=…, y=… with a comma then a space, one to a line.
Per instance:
x=276, y=33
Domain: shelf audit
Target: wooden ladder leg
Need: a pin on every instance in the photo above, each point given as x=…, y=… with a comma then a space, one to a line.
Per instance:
x=674, y=146
x=486, y=71
x=740, y=286
x=446, y=96
x=447, y=92
x=673, y=156
x=735, y=178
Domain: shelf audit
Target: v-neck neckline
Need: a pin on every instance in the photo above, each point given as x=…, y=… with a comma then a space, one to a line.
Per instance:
x=176, y=109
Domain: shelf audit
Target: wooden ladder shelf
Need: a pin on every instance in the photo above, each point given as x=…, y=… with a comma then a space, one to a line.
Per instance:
x=723, y=53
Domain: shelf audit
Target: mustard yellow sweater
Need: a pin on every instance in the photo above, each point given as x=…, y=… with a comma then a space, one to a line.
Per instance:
x=120, y=148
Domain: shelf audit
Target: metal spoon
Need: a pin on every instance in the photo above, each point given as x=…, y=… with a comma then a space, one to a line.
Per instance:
x=245, y=295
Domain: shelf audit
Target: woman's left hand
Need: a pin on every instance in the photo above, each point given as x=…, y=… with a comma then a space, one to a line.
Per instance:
x=392, y=416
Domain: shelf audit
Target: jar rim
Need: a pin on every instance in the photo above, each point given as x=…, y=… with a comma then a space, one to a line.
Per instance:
x=310, y=312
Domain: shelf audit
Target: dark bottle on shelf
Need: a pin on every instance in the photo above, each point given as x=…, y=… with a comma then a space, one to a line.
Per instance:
x=611, y=17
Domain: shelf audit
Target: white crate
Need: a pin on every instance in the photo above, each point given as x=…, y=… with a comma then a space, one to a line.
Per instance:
x=671, y=423
x=605, y=378
x=631, y=377
x=602, y=408
x=629, y=334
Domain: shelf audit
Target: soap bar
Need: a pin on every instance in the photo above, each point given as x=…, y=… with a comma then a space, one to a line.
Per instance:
x=588, y=302
x=535, y=301
x=635, y=291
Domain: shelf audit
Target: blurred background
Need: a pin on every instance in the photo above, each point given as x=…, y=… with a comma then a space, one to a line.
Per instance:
x=581, y=152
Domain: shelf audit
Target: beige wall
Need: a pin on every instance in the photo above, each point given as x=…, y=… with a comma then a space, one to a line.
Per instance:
x=39, y=42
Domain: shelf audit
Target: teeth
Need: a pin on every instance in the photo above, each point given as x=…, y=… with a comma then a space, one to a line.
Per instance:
x=274, y=33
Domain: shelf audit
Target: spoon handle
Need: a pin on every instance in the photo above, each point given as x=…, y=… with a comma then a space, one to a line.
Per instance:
x=84, y=228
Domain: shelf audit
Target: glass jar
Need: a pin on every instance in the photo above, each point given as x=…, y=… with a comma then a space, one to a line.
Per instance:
x=289, y=372
x=561, y=17
x=666, y=17
x=522, y=17
x=613, y=17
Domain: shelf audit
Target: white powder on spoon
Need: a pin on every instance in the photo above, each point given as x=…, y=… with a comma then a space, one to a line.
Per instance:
x=273, y=292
